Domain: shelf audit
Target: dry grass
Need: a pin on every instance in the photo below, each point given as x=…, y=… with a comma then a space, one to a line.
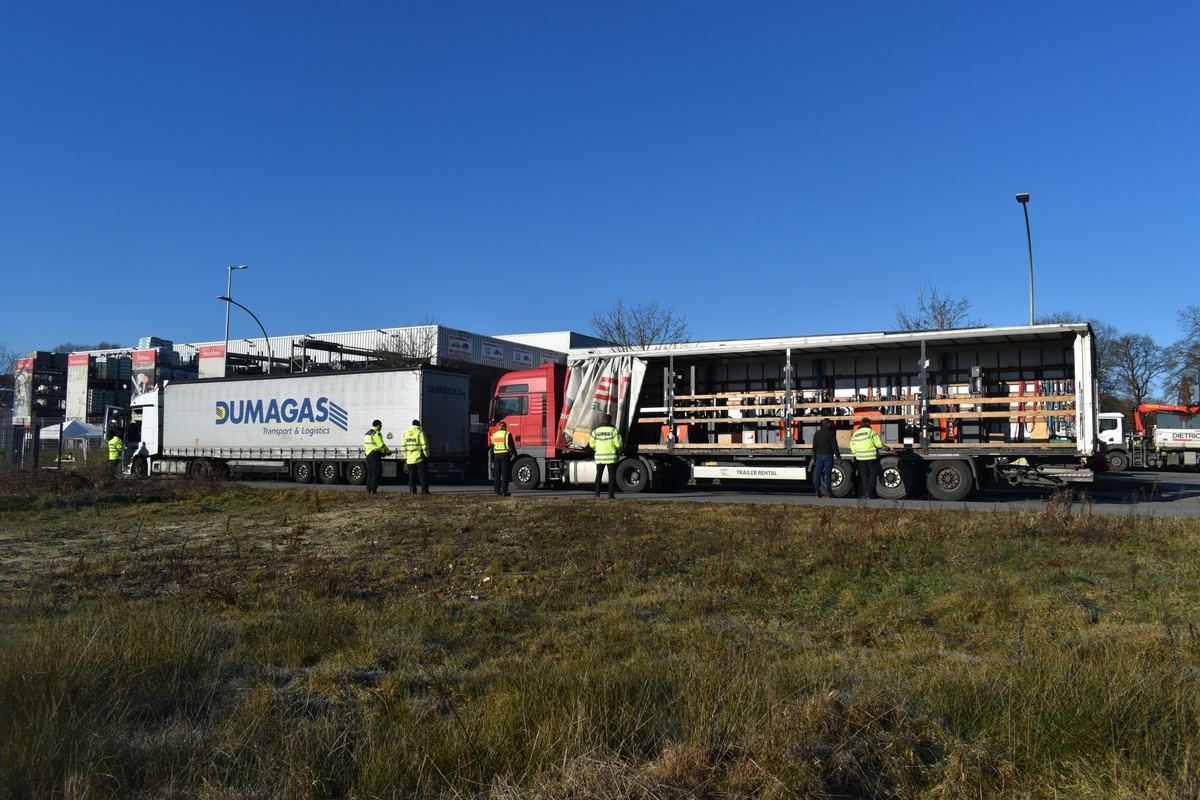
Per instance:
x=168, y=639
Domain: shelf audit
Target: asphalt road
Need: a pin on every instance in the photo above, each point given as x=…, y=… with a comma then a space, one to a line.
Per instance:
x=1163, y=494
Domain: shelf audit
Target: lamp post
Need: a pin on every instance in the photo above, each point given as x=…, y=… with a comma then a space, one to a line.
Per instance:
x=267, y=339
x=229, y=293
x=1023, y=199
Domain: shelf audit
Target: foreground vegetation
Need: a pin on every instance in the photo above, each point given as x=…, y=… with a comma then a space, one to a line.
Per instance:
x=171, y=639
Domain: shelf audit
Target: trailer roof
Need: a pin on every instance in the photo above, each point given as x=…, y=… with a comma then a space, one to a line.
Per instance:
x=880, y=341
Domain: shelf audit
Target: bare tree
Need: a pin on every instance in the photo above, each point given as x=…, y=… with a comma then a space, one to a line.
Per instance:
x=629, y=327
x=1104, y=335
x=935, y=312
x=409, y=346
x=1137, y=362
x=1184, y=356
x=75, y=347
x=8, y=363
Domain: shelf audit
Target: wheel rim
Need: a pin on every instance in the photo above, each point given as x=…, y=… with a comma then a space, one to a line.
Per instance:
x=891, y=478
x=632, y=476
x=948, y=479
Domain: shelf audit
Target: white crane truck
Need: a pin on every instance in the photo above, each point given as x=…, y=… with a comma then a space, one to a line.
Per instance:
x=960, y=409
x=306, y=426
x=1173, y=440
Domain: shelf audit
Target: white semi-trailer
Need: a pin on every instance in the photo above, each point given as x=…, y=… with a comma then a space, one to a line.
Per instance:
x=308, y=426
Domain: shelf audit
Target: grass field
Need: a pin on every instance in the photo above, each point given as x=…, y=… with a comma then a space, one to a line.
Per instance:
x=199, y=640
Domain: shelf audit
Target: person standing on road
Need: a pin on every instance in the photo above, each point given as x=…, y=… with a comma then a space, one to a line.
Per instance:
x=825, y=451
x=416, y=455
x=116, y=451
x=376, y=449
x=606, y=442
x=503, y=450
x=865, y=446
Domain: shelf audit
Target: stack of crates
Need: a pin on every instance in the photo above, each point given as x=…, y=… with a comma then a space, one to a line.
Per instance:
x=99, y=399
x=114, y=368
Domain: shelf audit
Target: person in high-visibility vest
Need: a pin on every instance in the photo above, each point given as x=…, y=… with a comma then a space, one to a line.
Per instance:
x=865, y=446
x=416, y=455
x=376, y=449
x=116, y=451
x=503, y=451
x=606, y=442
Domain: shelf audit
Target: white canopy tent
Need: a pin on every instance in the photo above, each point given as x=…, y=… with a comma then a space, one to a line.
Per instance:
x=72, y=429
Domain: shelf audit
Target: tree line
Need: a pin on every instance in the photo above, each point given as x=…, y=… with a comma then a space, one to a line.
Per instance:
x=1129, y=366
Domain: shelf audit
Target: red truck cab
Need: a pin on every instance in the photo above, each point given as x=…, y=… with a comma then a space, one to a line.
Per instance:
x=530, y=403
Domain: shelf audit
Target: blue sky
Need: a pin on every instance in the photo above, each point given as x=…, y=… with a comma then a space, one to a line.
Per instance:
x=765, y=168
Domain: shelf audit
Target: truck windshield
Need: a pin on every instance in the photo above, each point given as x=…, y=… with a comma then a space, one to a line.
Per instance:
x=510, y=406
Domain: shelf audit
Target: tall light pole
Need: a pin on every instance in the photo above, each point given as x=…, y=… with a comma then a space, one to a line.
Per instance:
x=1023, y=199
x=267, y=339
x=229, y=293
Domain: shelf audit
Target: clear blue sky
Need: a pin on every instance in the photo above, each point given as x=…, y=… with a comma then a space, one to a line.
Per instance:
x=765, y=168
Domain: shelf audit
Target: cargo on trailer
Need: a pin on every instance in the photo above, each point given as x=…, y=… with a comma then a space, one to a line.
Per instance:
x=957, y=409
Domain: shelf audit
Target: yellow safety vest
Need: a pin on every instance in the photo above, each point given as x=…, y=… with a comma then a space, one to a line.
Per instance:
x=865, y=444
x=115, y=448
x=606, y=441
x=373, y=442
x=500, y=441
x=416, y=446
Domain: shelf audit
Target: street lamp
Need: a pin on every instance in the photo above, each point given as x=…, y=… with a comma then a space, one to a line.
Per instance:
x=229, y=293
x=1023, y=199
x=267, y=339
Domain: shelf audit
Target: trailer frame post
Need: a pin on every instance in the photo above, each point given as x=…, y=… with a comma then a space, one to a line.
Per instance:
x=669, y=401
x=789, y=400
x=923, y=399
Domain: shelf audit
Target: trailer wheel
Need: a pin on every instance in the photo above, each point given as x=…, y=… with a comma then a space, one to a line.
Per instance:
x=632, y=476
x=1118, y=460
x=842, y=479
x=895, y=480
x=525, y=474
x=356, y=473
x=200, y=469
x=329, y=473
x=302, y=471
x=949, y=480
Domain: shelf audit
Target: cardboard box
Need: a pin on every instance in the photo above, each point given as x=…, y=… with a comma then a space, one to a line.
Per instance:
x=748, y=437
x=724, y=438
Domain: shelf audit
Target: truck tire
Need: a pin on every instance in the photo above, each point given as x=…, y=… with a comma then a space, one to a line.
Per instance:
x=525, y=474
x=200, y=469
x=633, y=476
x=1118, y=460
x=302, y=471
x=949, y=480
x=356, y=473
x=895, y=480
x=137, y=468
x=842, y=480
x=329, y=473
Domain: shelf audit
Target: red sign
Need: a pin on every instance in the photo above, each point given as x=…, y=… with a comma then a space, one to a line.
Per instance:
x=144, y=356
x=213, y=351
x=77, y=361
x=23, y=364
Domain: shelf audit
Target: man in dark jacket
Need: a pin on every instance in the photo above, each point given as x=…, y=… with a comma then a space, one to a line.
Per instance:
x=825, y=451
